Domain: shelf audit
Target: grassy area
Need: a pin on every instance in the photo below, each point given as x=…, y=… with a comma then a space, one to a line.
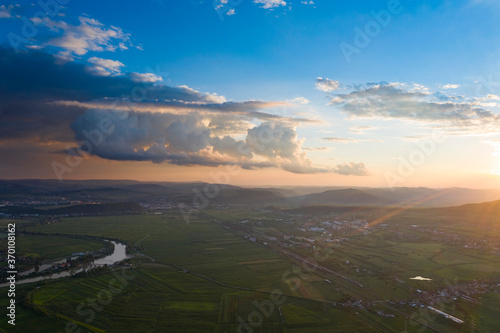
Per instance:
x=205, y=278
x=52, y=247
x=41, y=247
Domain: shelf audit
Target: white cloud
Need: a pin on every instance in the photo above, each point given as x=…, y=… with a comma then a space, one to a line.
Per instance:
x=231, y=12
x=90, y=35
x=341, y=140
x=185, y=139
x=300, y=100
x=209, y=98
x=413, y=138
x=451, y=86
x=496, y=145
x=307, y=2
x=5, y=11
x=279, y=145
x=270, y=3
x=145, y=77
x=176, y=125
x=327, y=85
x=349, y=140
x=355, y=169
x=317, y=148
x=275, y=140
x=220, y=4
x=105, y=67
x=361, y=129
x=458, y=115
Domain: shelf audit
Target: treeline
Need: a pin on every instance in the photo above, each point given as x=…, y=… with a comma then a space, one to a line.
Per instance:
x=71, y=235
x=118, y=208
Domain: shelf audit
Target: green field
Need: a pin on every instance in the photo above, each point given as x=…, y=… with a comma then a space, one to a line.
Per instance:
x=53, y=247
x=202, y=277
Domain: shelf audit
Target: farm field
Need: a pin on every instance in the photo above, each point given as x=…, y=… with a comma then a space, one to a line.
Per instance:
x=205, y=277
x=38, y=248
x=54, y=247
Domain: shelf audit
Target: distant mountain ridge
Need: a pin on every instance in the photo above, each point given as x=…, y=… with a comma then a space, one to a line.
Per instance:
x=123, y=191
x=402, y=196
x=344, y=197
x=136, y=191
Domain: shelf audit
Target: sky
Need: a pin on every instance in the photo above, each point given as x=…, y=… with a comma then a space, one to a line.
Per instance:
x=252, y=92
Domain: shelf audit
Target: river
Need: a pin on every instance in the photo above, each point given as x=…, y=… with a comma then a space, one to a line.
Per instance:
x=119, y=253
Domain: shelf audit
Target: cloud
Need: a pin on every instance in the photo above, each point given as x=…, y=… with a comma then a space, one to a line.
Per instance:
x=275, y=140
x=495, y=144
x=300, y=100
x=361, y=129
x=451, y=86
x=232, y=147
x=213, y=98
x=316, y=148
x=219, y=4
x=355, y=169
x=327, y=85
x=105, y=67
x=227, y=7
x=414, y=102
x=145, y=77
x=39, y=75
x=340, y=140
x=307, y=2
x=185, y=140
x=89, y=35
x=245, y=110
x=413, y=138
x=40, y=97
x=5, y=11
x=267, y=4
x=223, y=124
x=280, y=145
x=349, y=140
x=143, y=136
x=47, y=102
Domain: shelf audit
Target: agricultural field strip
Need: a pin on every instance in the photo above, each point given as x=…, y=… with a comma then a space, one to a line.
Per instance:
x=54, y=296
x=217, y=281
x=222, y=284
x=420, y=321
x=301, y=260
x=204, y=277
x=424, y=252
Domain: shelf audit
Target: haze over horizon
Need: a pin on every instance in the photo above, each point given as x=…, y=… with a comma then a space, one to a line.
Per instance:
x=263, y=92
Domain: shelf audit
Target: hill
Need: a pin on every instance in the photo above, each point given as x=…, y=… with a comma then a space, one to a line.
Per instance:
x=345, y=197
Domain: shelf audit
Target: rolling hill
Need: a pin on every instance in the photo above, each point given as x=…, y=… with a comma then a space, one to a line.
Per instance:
x=345, y=197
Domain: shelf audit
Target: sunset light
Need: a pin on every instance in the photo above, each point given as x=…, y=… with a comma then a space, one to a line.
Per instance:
x=216, y=166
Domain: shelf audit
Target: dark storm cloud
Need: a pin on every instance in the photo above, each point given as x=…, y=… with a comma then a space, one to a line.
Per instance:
x=40, y=96
x=48, y=101
x=32, y=81
x=179, y=139
x=36, y=74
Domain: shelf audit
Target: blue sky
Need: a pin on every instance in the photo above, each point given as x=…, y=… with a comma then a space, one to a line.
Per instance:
x=417, y=67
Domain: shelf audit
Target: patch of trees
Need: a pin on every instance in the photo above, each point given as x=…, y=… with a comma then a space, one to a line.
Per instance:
x=118, y=208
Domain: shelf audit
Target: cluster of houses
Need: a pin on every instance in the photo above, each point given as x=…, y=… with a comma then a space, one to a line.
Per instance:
x=60, y=266
x=44, y=201
x=306, y=235
x=467, y=291
x=159, y=205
